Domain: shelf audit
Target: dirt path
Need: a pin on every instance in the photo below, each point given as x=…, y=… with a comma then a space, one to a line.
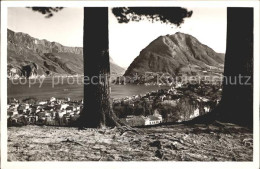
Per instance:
x=173, y=143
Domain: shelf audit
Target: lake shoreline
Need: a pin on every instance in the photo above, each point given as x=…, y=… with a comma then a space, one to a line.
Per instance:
x=75, y=91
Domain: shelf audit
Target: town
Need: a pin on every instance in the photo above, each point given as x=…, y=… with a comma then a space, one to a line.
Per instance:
x=57, y=112
x=176, y=104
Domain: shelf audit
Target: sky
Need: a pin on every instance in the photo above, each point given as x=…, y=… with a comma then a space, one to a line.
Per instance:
x=65, y=27
x=126, y=41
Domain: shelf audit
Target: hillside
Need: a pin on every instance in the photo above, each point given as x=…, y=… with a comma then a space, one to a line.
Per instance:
x=199, y=142
x=176, y=54
x=29, y=56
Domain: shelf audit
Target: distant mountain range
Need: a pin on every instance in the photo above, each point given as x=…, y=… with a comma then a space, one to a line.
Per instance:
x=28, y=56
x=176, y=54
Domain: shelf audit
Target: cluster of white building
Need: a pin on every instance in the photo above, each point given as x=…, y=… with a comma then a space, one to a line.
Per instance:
x=44, y=111
x=154, y=119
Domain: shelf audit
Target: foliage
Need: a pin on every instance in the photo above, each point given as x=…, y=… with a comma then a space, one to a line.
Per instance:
x=47, y=11
x=168, y=15
x=170, y=111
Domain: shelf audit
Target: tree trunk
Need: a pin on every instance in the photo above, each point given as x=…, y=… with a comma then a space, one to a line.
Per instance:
x=237, y=99
x=236, y=105
x=97, y=111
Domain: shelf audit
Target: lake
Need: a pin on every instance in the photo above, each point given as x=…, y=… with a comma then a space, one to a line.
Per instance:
x=46, y=89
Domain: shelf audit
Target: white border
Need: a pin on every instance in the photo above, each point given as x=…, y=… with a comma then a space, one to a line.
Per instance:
x=193, y=3
x=115, y=165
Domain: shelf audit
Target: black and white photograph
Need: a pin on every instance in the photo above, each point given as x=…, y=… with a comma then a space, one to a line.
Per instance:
x=130, y=82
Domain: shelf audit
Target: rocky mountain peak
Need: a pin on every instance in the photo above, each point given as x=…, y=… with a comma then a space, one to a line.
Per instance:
x=171, y=53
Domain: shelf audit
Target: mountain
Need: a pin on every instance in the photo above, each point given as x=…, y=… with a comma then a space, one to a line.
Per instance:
x=29, y=56
x=114, y=68
x=176, y=54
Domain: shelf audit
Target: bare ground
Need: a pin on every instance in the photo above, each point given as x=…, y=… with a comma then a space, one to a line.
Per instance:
x=215, y=142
